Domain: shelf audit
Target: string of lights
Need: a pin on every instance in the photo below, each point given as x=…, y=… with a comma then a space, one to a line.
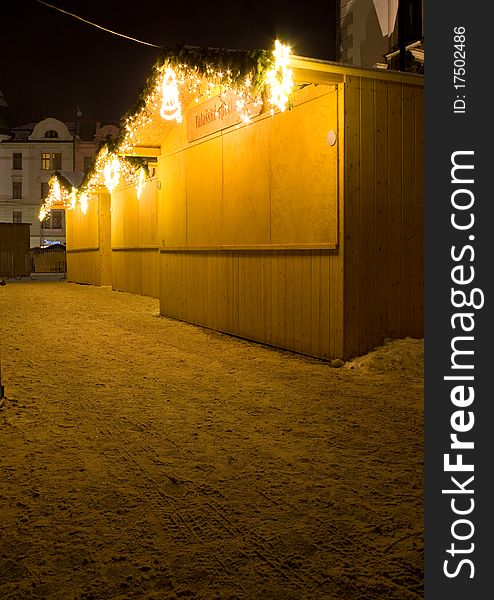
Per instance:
x=268, y=86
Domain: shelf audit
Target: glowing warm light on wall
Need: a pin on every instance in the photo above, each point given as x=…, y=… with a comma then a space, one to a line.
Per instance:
x=265, y=87
x=280, y=77
x=57, y=195
x=84, y=202
x=171, y=109
x=278, y=80
x=42, y=213
x=73, y=198
x=140, y=182
x=111, y=173
x=57, y=192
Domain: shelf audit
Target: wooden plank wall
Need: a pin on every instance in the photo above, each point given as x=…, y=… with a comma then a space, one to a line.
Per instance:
x=383, y=212
x=83, y=243
x=234, y=214
x=281, y=298
x=135, y=252
x=104, y=219
x=272, y=182
x=84, y=267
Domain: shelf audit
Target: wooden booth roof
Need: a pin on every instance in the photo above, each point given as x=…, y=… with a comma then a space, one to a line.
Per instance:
x=261, y=82
x=305, y=71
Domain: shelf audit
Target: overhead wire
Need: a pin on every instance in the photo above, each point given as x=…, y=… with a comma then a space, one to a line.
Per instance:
x=98, y=26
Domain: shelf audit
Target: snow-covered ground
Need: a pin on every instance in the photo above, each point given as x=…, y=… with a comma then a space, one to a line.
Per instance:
x=143, y=457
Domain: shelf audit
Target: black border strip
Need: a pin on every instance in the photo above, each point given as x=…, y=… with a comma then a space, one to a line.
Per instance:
x=459, y=412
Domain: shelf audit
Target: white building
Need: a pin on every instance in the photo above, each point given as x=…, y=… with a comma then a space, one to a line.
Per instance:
x=370, y=33
x=29, y=155
x=27, y=161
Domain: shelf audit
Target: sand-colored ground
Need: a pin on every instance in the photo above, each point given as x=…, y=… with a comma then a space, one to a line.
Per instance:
x=146, y=458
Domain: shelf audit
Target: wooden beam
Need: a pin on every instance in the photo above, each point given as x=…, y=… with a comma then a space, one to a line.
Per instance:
x=310, y=75
x=143, y=151
x=332, y=72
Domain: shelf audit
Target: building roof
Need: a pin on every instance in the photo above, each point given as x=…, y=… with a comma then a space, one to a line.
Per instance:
x=86, y=130
x=21, y=133
x=144, y=129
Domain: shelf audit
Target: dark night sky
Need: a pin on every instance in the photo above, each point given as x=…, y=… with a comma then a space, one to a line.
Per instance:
x=51, y=62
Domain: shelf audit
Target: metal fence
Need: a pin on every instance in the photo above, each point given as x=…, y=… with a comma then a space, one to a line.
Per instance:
x=48, y=260
x=37, y=260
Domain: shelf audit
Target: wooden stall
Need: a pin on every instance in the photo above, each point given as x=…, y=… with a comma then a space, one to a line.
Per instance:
x=271, y=233
x=135, y=249
x=249, y=227
x=382, y=227
x=88, y=233
x=14, y=250
x=302, y=229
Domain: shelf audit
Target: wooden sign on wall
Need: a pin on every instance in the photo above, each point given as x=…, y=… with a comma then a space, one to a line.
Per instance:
x=213, y=115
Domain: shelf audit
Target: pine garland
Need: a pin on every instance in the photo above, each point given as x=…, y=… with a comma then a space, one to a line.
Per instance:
x=203, y=61
x=240, y=63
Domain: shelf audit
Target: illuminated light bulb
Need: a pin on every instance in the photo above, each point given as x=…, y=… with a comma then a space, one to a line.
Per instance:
x=111, y=173
x=73, y=198
x=171, y=108
x=163, y=97
x=280, y=77
x=42, y=213
x=140, y=182
x=57, y=193
x=84, y=202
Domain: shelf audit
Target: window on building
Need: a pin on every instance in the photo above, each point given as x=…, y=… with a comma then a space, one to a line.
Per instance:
x=46, y=161
x=87, y=163
x=51, y=133
x=17, y=161
x=17, y=190
x=44, y=189
x=17, y=216
x=56, y=219
x=57, y=160
x=51, y=161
